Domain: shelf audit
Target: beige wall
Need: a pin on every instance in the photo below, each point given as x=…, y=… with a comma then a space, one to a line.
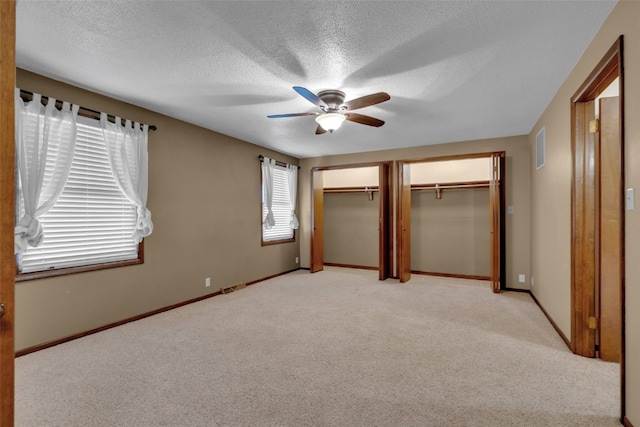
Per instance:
x=352, y=177
x=351, y=229
x=205, y=201
x=451, y=234
x=551, y=192
x=518, y=163
x=444, y=171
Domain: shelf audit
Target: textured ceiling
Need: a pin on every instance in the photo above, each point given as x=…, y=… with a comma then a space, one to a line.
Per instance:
x=455, y=70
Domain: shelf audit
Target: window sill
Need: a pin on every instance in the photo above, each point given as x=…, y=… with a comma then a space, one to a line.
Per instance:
x=73, y=270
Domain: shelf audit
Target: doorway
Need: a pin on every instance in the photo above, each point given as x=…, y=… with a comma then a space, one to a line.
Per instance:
x=381, y=188
x=597, y=248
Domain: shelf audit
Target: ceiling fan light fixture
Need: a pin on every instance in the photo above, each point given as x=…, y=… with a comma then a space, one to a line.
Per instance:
x=330, y=121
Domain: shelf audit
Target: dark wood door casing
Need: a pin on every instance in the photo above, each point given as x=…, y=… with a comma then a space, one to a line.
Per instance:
x=7, y=211
x=317, y=221
x=586, y=210
x=385, y=222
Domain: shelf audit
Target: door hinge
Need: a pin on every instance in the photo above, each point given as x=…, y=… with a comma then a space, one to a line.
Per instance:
x=593, y=323
x=594, y=126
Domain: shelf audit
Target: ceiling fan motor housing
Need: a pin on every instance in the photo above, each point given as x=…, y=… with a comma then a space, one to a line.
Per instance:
x=334, y=100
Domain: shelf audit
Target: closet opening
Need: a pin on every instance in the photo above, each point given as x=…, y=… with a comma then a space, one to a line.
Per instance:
x=451, y=219
x=352, y=217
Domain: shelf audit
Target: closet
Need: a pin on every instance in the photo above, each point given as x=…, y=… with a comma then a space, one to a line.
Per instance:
x=351, y=217
x=450, y=217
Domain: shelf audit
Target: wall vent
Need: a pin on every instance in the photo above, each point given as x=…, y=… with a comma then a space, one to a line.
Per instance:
x=540, y=149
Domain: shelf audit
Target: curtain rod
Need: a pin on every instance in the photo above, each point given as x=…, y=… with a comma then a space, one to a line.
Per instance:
x=82, y=111
x=278, y=162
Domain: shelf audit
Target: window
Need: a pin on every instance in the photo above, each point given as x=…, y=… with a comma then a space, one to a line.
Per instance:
x=281, y=232
x=92, y=222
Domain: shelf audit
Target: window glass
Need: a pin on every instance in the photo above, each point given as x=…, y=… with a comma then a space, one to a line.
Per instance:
x=280, y=207
x=92, y=222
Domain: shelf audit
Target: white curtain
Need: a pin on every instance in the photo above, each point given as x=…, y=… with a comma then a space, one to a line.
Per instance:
x=45, y=143
x=292, y=174
x=129, y=159
x=268, y=165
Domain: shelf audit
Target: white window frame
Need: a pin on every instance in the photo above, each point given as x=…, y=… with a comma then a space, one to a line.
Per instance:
x=281, y=232
x=70, y=218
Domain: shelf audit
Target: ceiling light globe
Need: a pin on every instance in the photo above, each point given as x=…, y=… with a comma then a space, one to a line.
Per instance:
x=330, y=121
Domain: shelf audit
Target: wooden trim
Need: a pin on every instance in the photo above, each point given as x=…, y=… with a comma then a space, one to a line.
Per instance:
x=317, y=221
x=602, y=75
x=583, y=202
x=277, y=242
x=454, y=275
x=626, y=422
x=23, y=277
x=53, y=343
x=262, y=279
x=7, y=208
x=553, y=323
x=584, y=207
x=452, y=157
x=496, y=219
x=347, y=166
x=385, y=222
x=526, y=291
x=403, y=221
x=359, y=267
x=623, y=363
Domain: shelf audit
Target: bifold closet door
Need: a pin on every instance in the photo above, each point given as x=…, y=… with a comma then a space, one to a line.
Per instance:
x=317, y=225
x=496, y=202
x=403, y=236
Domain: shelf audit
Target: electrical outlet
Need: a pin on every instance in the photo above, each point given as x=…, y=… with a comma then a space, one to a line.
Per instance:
x=207, y=282
x=521, y=278
x=297, y=260
x=532, y=281
x=510, y=210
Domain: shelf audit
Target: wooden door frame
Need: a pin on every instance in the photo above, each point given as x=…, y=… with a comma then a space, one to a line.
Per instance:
x=584, y=203
x=7, y=211
x=385, y=215
x=497, y=213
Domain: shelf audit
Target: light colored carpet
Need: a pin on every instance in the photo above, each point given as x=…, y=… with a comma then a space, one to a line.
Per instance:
x=335, y=348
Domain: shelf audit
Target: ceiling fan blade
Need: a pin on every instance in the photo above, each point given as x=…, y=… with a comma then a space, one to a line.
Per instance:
x=280, y=116
x=364, y=120
x=365, y=101
x=320, y=130
x=309, y=96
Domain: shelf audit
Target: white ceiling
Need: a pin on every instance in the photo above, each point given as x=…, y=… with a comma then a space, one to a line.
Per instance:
x=455, y=70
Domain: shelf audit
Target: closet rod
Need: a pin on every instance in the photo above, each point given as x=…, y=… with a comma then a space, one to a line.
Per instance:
x=351, y=190
x=479, y=184
x=82, y=111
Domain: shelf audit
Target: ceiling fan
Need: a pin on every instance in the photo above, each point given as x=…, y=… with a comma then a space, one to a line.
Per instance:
x=334, y=110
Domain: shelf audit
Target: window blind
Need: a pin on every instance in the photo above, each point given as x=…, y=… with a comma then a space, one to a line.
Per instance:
x=280, y=207
x=92, y=222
